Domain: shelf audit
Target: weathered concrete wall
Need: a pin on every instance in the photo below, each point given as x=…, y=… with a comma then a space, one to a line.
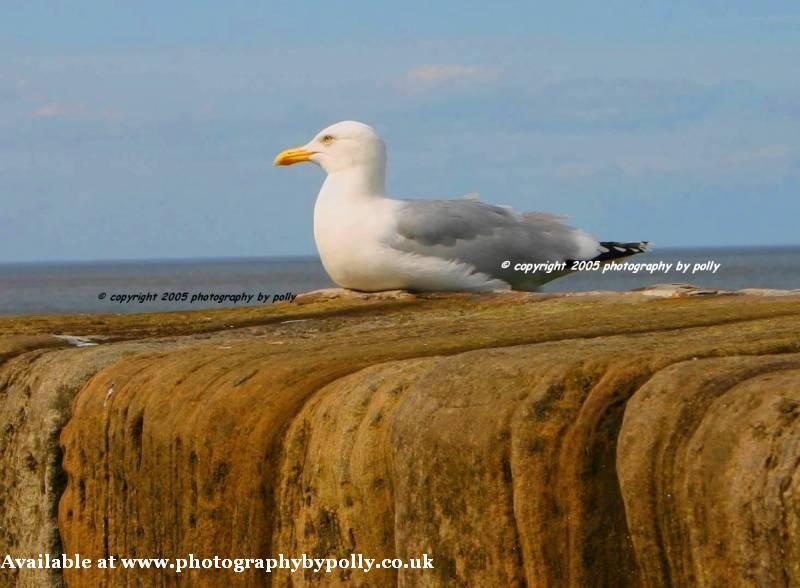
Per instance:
x=617, y=440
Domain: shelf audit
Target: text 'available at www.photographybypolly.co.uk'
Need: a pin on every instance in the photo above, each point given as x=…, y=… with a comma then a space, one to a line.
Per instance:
x=317, y=565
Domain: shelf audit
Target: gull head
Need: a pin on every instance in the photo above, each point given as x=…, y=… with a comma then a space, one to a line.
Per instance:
x=340, y=147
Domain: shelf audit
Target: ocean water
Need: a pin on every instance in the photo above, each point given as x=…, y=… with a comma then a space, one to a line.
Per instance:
x=146, y=286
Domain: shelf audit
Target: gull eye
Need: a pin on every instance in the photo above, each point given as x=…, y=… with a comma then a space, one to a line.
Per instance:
x=326, y=140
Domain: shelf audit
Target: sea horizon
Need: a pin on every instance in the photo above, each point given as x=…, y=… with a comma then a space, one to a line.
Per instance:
x=177, y=284
x=654, y=248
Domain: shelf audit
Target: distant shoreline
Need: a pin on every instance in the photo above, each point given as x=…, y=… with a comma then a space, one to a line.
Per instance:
x=304, y=257
x=141, y=286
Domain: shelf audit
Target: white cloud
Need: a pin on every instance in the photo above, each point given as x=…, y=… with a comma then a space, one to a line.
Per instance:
x=435, y=75
x=56, y=109
x=52, y=110
x=760, y=154
x=628, y=104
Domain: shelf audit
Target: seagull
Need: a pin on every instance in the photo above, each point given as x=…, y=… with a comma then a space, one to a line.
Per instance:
x=370, y=242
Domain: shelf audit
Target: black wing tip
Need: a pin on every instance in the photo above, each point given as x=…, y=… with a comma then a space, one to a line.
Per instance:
x=615, y=249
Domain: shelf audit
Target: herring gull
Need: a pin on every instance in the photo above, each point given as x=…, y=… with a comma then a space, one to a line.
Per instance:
x=370, y=242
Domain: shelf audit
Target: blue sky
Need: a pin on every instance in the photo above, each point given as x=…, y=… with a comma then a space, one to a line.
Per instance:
x=147, y=130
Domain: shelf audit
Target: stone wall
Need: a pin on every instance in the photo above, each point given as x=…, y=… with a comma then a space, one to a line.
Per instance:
x=520, y=440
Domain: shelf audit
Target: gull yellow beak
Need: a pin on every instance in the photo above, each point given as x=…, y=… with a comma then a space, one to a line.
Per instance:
x=293, y=155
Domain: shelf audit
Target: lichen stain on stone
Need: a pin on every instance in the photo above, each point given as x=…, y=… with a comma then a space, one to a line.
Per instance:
x=520, y=440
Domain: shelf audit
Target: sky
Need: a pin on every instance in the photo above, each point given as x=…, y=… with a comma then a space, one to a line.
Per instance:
x=147, y=130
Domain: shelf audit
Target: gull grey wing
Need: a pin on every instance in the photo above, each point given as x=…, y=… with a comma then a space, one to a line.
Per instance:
x=484, y=236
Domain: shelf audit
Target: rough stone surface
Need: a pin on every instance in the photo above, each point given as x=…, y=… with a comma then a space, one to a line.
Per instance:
x=708, y=463
x=519, y=439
